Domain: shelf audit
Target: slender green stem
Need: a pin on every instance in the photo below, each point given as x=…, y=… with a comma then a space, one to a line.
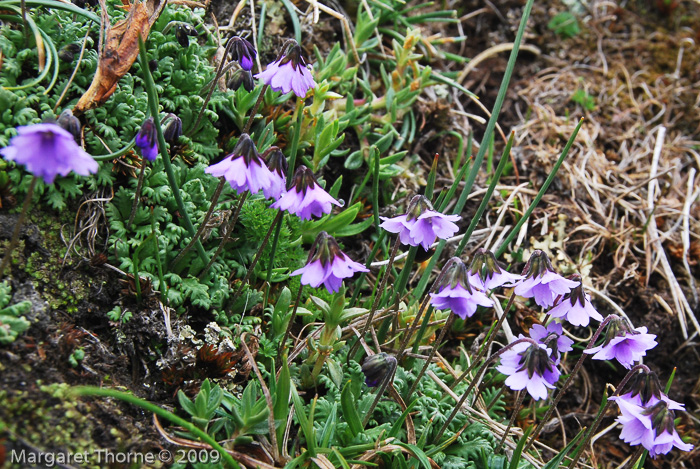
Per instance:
x=513, y=232
x=167, y=165
x=251, y=118
x=18, y=227
x=205, y=221
x=361, y=279
x=516, y=410
x=299, y=114
x=116, y=154
x=227, y=235
x=275, y=222
x=137, y=194
x=568, y=381
x=122, y=396
x=273, y=248
x=445, y=328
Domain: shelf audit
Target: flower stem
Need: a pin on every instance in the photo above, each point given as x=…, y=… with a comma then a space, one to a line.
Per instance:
x=516, y=410
x=488, y=343
x=445, y=328
x=377, y=298
x=203, y=225
x=596, y=422
x=275, y=222
x=167, y=165
x=475, y=381
x=137, y=194
x=567, y=383
x=251, y=118
x=18, y=227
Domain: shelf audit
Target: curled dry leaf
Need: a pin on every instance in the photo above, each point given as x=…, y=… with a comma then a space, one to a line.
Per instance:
x=120, y=52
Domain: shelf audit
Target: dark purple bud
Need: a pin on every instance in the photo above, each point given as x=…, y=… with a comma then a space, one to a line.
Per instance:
x=67, y=52
x=243, y=52
x=69, y=122
x=276, y=161
x=241, y=78
x=378, y=368
x=182, y=33
x=147, y=140
x=172, y=129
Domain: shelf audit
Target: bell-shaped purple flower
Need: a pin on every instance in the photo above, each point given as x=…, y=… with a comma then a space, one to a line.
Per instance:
x=277, y=164
x=541, y=282
x=421, y=225
x=576, y=307
x=455, y=293
x=328, y=266
x=644, y=389
x=623, y=343
x=306, y=197
x=653, y=427
x=244, y=169
x=485, y=272
x=289, y=73
x=243, y=52
x=47, y=150
x=529, y=366
x=553, y=338
x=147, y=140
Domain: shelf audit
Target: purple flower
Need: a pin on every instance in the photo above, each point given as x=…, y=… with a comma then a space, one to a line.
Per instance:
x=306, y=198
x=277, y=164
x=421, y=225
x=485, y=272
x=243, y=52
x=645, y=390
x=147, y=140
x=576, y=307
x=553, y=338
x=529, y=366
x=47, y=150
x=455, y=293
x=652, y=427
x=289, y=73
x=244, y=169
x=623, y=343
x=329, y=265
x=541, y=282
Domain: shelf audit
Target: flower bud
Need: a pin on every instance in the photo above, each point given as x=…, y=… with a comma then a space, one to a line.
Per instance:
x=172, y=129
x=240, y=78
x=147, y=140
x=243, y=52
x=69, y=122
x=377, y=368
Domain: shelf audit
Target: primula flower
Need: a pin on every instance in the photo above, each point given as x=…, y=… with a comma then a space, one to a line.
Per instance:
x=576, y=307
x=644, y=389
x=485, y=273
x=553, y=338
x=623, y=343
x=455, y=293
x=529, y=366
x=541, y=282
x=277, y=164
x=306, y=198
x=329, y=265
x=47, y=150
x=652, y=427
x=243, y=52
x=421, y=225
x=377, y=368
x=289, y=73
x=147, y=140
x=244, y=169
x=241, y=78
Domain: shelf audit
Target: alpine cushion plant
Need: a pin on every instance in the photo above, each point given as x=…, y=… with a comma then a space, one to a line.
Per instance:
x=421, y=225
x=47, y=150
x=623, y=343
x=306, y=197
x=454, y=291
x=328, y=265
x=245, y=170
x=289, y=73
x=529, y=366
x=541, y=282
x=576, y=307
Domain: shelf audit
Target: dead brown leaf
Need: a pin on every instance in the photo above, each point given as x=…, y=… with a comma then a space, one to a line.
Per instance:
x=120, y=52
